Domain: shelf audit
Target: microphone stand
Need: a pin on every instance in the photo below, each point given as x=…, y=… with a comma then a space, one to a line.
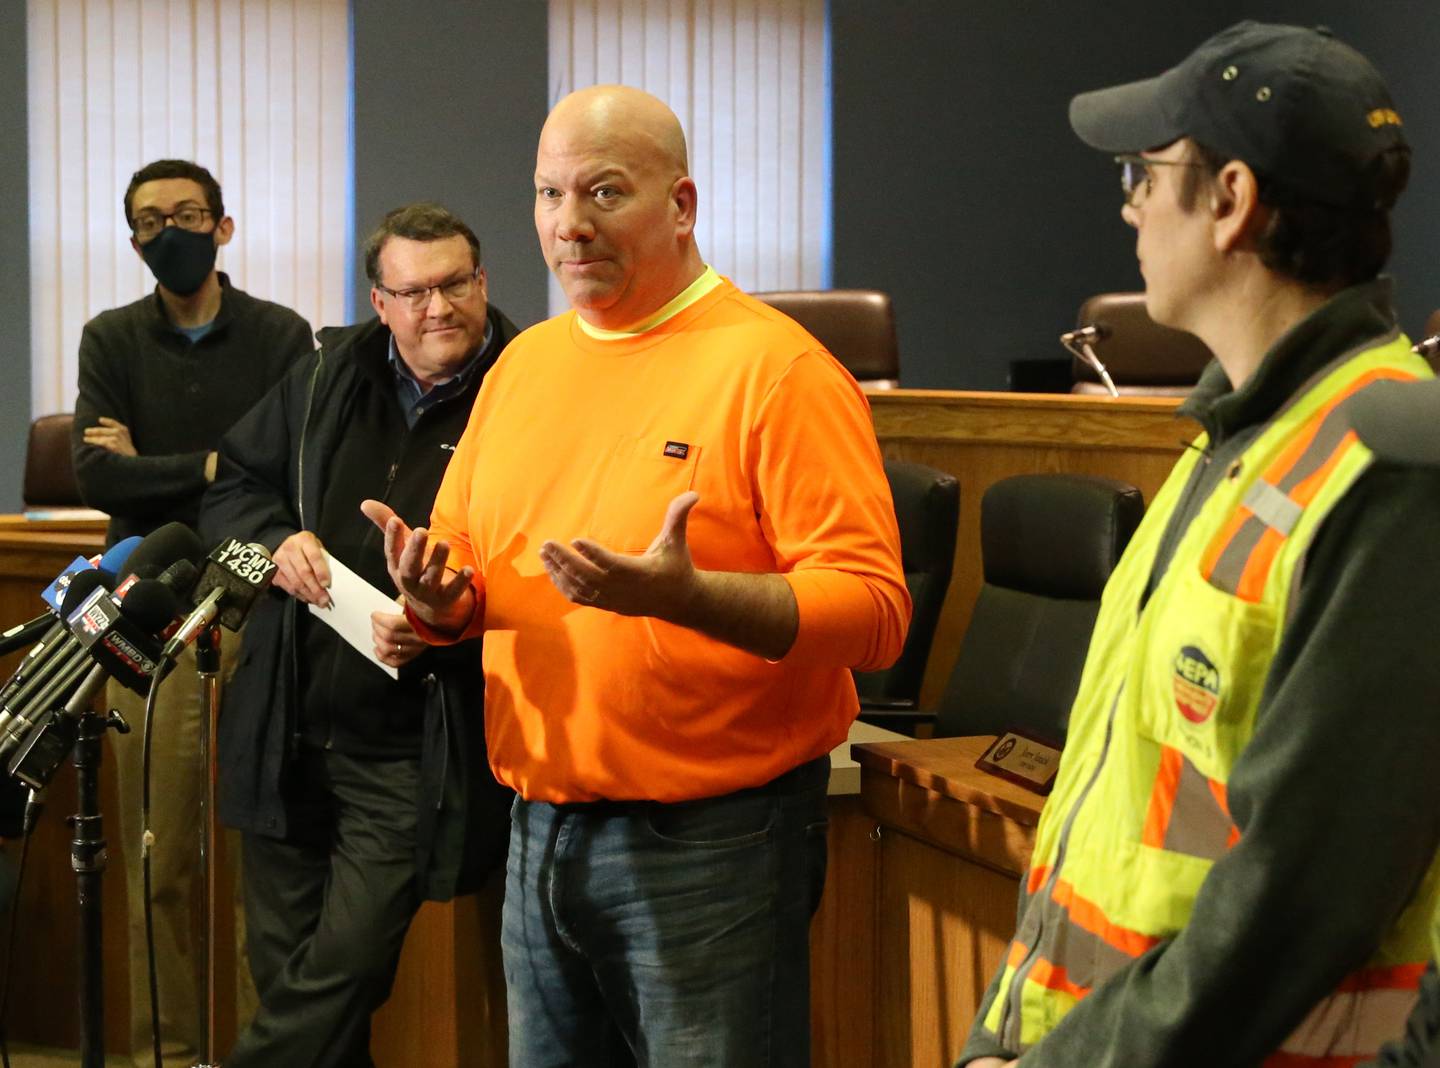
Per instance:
x=207, y=663
x=88, y=857
x=78, y=729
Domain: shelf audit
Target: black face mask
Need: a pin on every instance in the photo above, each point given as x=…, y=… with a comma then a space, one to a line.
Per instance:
x=179, y=259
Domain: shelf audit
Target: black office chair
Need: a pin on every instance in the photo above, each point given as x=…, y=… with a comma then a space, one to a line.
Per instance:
x=856, y=325
x=49, y=467
x=1048, y=546
x=927, y=510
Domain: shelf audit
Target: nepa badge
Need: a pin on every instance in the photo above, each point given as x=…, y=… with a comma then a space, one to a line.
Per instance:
x=1197, y=685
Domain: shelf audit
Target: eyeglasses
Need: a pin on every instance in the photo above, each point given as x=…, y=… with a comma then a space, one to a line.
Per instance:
x=418, y=299
x=1135, y=174
x=146, y=224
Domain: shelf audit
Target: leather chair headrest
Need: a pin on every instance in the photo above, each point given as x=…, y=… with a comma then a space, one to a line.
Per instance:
x=856, y=325
x=49, y=468
x=1056, y=535
x=1136, y=350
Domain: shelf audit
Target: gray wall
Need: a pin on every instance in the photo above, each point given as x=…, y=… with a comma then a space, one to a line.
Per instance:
x=960, y=188
x=449, y=98
x=14, y=256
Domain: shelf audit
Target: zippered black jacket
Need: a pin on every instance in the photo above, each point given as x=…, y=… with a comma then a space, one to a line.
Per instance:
x=274, y=468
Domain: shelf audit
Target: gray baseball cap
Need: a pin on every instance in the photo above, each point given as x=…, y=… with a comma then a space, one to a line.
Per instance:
x=1299, y=106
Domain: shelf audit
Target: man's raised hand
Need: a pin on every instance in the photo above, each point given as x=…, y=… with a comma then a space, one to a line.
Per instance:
x=443, y=601
x=659, y=583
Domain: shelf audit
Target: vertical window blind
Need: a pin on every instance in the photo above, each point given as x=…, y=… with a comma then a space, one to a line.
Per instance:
x=749, y=80
x=257, y=91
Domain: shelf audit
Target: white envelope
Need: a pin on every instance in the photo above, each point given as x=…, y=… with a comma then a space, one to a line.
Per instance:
x=352, y=599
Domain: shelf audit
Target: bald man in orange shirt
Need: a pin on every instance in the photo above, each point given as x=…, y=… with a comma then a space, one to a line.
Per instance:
x=669, y=518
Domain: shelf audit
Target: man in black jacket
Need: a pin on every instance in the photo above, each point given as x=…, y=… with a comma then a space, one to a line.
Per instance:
x=359, y=795
x=160, y=380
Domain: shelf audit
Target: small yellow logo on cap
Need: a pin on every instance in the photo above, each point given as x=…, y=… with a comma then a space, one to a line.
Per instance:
x=1383, y=117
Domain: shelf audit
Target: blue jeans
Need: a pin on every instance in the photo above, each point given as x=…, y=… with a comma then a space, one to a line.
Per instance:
x=674, y=935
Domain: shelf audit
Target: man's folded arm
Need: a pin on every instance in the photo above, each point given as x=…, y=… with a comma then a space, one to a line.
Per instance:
x=109, y=481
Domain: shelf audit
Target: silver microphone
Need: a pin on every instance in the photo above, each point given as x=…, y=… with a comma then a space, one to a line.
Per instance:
x=1078, y=343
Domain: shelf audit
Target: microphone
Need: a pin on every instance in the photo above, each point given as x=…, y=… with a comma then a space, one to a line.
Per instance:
x=1085, y=335
x=47, y=625
x=122, y=632
x=24, y=633
x=99, y=629
x=113, y=560
x=1078, y=343
x=121, y=649
x=161, y=548
x=55, y=674
x=126, y=648
x=235, y=574
x=54, y=656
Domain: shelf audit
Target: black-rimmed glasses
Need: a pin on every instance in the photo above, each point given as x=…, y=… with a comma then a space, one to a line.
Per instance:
x=146, y=224
x=455, y=290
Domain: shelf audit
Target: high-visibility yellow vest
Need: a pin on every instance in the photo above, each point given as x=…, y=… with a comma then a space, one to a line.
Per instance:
x=1166, y=704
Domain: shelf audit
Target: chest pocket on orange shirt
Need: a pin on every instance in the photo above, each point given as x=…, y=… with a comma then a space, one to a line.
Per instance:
x=642, y=477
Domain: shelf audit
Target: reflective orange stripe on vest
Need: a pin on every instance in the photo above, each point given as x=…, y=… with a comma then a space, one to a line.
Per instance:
x=1240, y=557
x=1367, y=1009
x=1053, y=977
x=1188, y=813
x=1089, y=917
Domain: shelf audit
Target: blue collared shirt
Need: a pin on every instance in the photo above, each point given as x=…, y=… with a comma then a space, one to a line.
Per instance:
x=414, y=399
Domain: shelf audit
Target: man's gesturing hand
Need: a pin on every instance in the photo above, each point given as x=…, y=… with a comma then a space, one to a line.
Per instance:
x=396, y=642
x=301, y=569
x=659, y=583
x=444, y=603
x=754, y=612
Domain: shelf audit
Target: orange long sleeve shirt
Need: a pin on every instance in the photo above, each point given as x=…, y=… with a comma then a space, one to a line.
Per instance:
x=572, y=436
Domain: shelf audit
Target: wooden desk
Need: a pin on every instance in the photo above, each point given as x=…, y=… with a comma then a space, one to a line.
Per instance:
x=449, y=996
x=981, y=438
x=43, y=998
x=954, y=843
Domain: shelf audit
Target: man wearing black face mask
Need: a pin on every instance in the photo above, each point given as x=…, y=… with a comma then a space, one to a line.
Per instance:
x=161, y=380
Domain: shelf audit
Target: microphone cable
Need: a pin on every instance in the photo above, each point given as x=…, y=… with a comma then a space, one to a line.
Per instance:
x=147, y=843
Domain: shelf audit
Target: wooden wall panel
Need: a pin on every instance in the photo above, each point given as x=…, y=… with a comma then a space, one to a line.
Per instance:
x=844, y=943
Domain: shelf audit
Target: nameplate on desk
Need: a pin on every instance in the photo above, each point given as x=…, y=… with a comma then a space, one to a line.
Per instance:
x=1024, y=760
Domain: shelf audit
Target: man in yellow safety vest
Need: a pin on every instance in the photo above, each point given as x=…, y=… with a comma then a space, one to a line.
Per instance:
x=1236, y=865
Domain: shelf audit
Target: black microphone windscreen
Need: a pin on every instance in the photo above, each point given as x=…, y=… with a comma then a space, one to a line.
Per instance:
x=151, y=604
x=181, y=576
x=162, y=547
x=82, y=585
x=242, y=572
